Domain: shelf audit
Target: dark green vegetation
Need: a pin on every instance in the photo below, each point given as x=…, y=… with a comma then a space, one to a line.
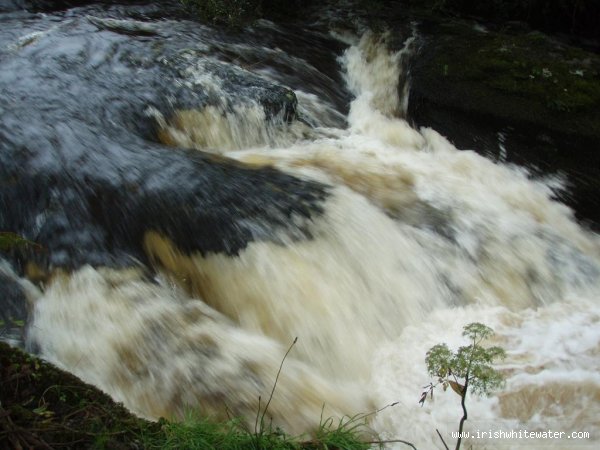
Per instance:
x=44, y=407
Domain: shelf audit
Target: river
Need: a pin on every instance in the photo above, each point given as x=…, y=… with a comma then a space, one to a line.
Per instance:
x=195, y=221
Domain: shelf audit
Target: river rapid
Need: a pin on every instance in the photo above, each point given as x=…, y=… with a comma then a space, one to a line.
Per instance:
x=196, y=220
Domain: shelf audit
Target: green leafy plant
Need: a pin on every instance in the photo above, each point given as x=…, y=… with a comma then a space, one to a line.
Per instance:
x=10, y=241
x=467, y=369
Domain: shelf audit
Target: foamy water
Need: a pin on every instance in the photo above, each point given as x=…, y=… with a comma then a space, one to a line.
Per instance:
x=417, y=239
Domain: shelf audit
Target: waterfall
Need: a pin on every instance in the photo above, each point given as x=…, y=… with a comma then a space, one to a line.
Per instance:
x=416, y=239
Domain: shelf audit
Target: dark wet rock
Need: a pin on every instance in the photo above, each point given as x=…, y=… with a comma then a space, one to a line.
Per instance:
x=81, y=172
x=516, y=96
x=130, y=27
x=11, y=5
x=299, y=57
x=58, y=5
x=236, y=87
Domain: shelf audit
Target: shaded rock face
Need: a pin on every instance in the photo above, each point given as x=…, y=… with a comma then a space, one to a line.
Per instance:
x=81, y=171
x=516, y=97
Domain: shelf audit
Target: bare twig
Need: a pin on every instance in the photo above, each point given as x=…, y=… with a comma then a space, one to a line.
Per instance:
x=262, y=419
x=443, y=441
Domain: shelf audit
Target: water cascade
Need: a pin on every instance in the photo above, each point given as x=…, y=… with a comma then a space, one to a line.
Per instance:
x=416, y=239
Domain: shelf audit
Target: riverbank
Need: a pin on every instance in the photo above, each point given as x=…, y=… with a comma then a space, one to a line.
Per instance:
x=44, y=407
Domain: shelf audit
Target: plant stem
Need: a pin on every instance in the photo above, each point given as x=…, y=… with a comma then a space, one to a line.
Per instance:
x=464, y=408
x=442, y=439
x=262, y=419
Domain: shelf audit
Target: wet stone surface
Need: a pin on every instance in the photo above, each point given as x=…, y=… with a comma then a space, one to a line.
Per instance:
x=81, y=172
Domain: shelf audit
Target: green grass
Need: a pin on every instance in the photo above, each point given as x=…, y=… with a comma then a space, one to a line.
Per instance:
x=196, y=432
x=344, y=434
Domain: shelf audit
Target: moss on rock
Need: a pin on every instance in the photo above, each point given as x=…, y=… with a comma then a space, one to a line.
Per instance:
x=514, y=75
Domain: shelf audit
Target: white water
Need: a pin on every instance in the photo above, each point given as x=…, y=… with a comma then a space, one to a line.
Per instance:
x=417, y=240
